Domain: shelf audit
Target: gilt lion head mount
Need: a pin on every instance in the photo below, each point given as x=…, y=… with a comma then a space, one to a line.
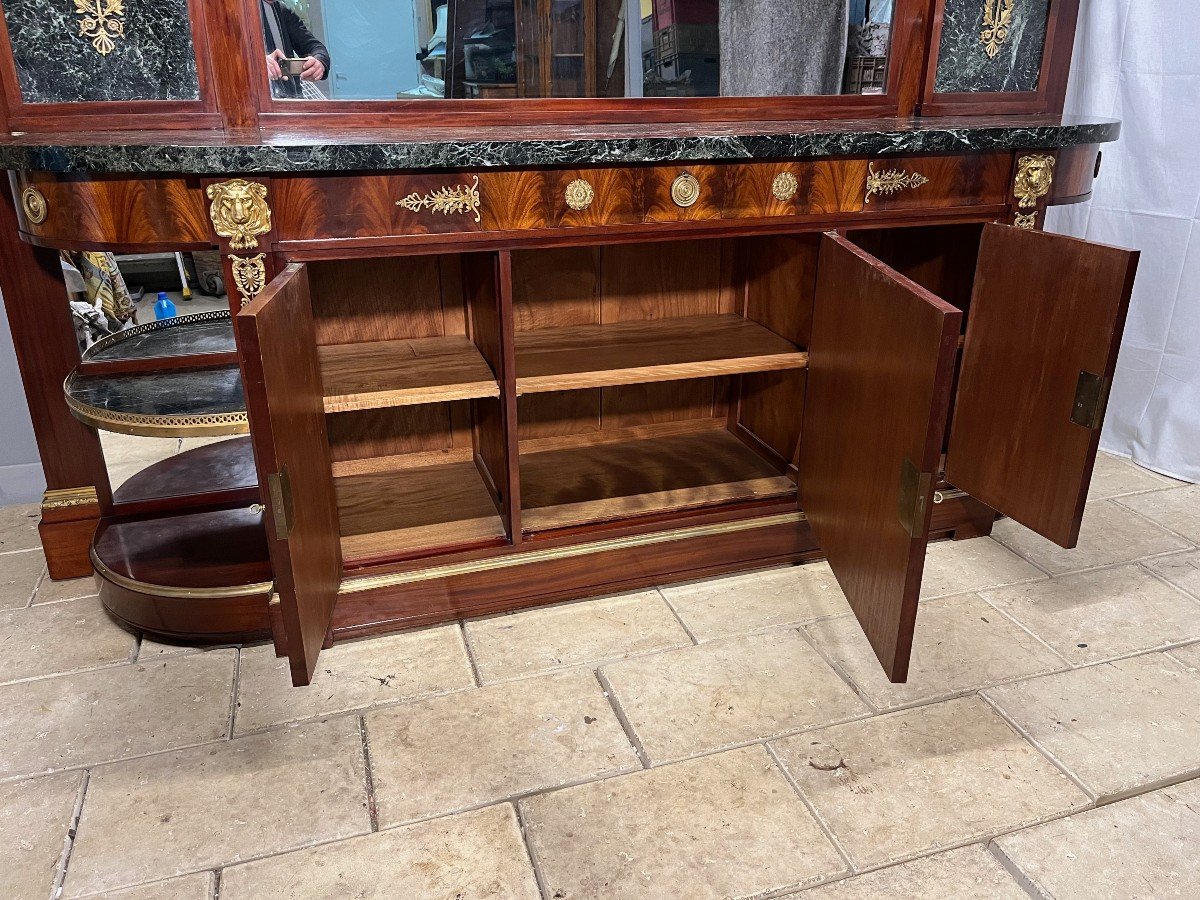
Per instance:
x=1035, y=174
x=239, y=211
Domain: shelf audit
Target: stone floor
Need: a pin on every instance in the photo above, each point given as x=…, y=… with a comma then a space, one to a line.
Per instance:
x=729, y=738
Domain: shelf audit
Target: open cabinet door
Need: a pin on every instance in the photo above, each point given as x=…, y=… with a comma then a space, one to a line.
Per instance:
x=1046, y=318
x=287, y=425
x=880, y=365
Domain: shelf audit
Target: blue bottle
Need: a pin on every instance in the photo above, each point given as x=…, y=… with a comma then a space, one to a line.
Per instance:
x=164, y=308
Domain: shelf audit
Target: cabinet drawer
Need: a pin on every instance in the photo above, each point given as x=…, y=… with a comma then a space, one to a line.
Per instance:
x=378, y=207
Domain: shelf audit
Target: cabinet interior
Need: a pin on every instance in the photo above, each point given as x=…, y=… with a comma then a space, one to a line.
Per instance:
x=651, y=380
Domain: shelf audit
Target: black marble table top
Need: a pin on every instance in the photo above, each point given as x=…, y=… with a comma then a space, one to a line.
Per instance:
x=216, y=153
x=210, y=332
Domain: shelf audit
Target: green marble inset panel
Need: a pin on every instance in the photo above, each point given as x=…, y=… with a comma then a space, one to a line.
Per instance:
x=964, y=64
x=132, y=50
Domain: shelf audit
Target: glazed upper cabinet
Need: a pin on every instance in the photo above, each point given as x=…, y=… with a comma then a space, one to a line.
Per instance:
x=999, y=56
x=108, y=62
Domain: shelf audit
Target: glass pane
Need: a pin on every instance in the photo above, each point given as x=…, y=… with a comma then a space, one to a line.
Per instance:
x=515, y=49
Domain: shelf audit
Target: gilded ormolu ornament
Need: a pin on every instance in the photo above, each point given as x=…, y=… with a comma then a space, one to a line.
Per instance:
x=239, y=211
x=1035, y=175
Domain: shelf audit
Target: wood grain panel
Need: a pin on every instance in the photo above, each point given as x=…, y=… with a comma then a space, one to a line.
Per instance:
x=287, y=420
x=386, y=299
x=556, y=287
x=641, y=282
x=881, y=362
x=968, y=179
x=95, y=212
x=781, y=276
x=1045, y=309
x=656, y=190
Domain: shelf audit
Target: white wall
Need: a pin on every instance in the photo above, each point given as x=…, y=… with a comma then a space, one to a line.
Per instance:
x=1138, y=62
x=21, y=478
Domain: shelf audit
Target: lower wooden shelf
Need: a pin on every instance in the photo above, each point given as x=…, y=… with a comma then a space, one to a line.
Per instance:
x=584, y=356
x=401, y=511
x=594, y=482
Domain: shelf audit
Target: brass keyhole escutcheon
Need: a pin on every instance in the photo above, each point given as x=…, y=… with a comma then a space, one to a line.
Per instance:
x=685, y=190
x=580, y=194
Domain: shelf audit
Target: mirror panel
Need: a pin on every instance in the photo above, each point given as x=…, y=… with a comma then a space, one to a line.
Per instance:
x=540, y=49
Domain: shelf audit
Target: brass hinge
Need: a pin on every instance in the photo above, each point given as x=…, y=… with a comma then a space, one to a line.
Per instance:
x=914, y=497
x=1091, y=396
x=279, y=486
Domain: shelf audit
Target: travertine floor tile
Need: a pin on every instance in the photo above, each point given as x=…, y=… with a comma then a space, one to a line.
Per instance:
x=473, y=856
x=1141, y=847
x=1181, y=569
x=555, y=637
x=18, y=527
x=126, y=455
x=34, y=818
x=685, y=702
x=1115, y=477
x=87, y=718
x=727, y=825
x=1110, y=534
x=352, y=675
x=19, y=574
x=1120, y=726
x=60, y=637
x=49, y=591
x=477, y=747
x=1100, y=615
x=198, y=886
x=959, y=567
x=970, y=873
x=739, y=604
x=898, y=785
x=1189, y=655
x=150, y=650
x=173, y=813
x=960, y=645
x=1177, y=509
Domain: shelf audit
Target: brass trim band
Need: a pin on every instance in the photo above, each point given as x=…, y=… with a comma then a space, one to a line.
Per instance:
x=374, y=582
x=65, y=498
x=162, y=590
x=204, y=425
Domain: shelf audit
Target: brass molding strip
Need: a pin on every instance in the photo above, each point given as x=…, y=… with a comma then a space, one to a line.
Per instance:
x=450, y=570
x=177, y=593
x=64, y=498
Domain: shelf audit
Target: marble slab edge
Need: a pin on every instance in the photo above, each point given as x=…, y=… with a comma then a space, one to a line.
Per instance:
x=218, y=158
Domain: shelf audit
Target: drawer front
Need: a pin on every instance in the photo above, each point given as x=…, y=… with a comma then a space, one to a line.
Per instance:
x=484, y=203
x=112, y=212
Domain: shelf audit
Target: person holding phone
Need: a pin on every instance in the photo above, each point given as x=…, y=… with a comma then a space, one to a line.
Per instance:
x=293, y=53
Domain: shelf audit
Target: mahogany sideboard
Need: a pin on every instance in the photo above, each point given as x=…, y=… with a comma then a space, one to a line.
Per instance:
x=540, y=352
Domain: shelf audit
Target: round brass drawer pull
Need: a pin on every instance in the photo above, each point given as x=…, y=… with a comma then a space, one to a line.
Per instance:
x=580, y=194
x=685, y=190
x=784, y=186
x=33, y=202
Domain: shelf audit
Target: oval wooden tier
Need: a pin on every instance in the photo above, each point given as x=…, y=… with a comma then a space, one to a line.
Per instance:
x=200, y=575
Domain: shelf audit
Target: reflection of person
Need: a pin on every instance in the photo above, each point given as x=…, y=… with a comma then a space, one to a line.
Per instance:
x=287, y=37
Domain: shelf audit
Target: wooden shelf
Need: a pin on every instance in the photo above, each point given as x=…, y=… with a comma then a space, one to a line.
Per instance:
x=594, y=482
x=404, y=372
x=583, y=356
x=399, y=512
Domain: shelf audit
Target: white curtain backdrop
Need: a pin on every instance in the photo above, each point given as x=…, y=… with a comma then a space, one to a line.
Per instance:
x=1138, y=61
